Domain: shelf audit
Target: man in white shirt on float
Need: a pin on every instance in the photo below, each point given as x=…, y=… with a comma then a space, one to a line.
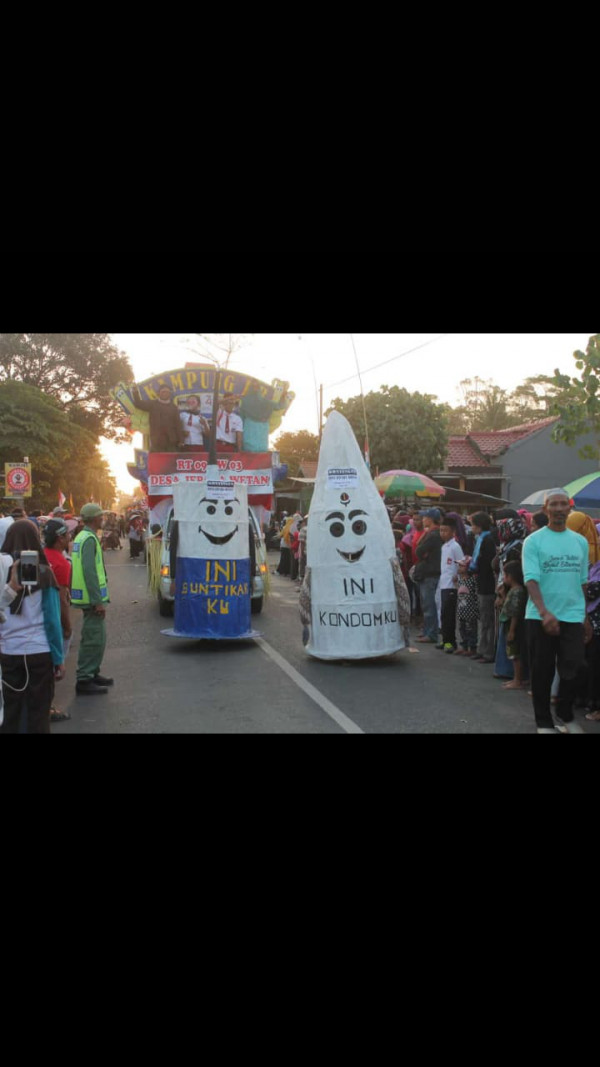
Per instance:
x=194, y=426
x=230, y=428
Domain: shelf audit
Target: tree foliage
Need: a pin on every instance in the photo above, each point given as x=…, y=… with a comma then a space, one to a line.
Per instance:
x=77, y=369
x=294, y=447
x=63, y=455
x=535, y=399
x=485, y=406
x=405, y=430
x=578, y=402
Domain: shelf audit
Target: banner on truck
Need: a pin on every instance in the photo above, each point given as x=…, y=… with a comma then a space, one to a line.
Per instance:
x=252, y=469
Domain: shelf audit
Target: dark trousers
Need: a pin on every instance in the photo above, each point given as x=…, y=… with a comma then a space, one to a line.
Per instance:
x=565, y=651
x=487, y=626
x=468, y=632
x=417, y=610
x=285, y=562
x=449, y=602
x=92, y=646
x=27, y=711
x=593, y=661
x=427, y=589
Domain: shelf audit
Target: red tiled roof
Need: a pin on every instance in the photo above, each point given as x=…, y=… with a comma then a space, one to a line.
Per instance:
x=464, y=451
x=494, y=442
x=462, y=454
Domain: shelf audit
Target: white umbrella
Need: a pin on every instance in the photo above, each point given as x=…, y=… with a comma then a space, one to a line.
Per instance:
x=536, y=500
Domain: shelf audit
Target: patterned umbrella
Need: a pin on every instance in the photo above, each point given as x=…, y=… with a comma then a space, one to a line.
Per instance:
x=405, y=483
x=585, y=492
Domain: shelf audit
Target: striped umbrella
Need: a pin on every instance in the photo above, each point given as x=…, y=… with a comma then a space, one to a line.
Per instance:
x=585, y=492
x=407, y=483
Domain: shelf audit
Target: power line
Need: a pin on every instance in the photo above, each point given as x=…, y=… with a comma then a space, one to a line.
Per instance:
x=385, y=362
x=367, y=449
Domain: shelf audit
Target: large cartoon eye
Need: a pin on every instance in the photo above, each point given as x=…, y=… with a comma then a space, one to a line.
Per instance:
x=359, y=527
x=337, y=529
x=211, y=509
x=229, y=510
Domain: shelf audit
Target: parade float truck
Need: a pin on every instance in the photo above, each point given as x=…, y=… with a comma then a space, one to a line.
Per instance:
x=254, y=469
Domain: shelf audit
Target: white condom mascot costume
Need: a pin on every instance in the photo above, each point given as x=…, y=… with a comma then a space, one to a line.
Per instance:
x=213, y=580
x=354, y=603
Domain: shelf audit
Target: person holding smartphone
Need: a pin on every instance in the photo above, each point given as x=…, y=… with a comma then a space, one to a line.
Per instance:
x=31, y=642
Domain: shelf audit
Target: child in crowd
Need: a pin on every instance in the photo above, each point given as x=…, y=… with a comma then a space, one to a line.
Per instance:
x=467, y=609
x=452, y=554
x=538, y=521
x=512, y=618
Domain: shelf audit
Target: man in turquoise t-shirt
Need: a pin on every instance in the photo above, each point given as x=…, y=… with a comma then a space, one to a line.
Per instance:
x=555, y=568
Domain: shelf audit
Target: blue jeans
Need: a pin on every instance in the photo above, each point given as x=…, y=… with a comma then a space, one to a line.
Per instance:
x=504, y=667
x=431, y=623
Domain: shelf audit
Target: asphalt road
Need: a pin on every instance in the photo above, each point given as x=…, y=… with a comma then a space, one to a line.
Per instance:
x=270, y=686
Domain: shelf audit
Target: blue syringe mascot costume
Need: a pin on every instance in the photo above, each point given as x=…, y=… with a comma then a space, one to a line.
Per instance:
x=213, y=571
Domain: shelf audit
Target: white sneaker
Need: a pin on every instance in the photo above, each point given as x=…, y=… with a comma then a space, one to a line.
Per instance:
x=546, y=730
x=569, y=727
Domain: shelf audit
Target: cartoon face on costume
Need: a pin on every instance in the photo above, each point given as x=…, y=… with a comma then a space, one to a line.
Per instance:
x=349, y=527
x=212, y=525
x=348, y=530
x=219, y=514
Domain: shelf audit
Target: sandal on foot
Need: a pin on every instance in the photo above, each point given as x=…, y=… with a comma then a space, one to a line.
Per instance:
x=58, y=716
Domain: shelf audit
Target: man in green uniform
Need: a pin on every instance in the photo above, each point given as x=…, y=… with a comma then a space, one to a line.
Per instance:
x=89, y=591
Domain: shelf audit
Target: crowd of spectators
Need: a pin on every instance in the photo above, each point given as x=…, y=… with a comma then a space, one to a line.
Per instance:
x=470, y=596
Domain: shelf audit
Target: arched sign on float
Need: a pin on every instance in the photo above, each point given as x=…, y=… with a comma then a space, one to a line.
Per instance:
x=261, y=406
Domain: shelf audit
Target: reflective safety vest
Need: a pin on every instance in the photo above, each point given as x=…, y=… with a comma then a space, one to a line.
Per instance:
x=80, y=596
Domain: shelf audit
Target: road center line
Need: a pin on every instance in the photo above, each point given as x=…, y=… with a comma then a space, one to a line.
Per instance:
x=330, y=709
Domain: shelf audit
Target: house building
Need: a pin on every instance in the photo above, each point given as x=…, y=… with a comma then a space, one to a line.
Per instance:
x=295, y=494
x=508, y=465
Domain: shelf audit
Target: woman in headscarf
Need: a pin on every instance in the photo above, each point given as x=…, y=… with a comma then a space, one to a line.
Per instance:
x=582, y=524
x=285, y=560
x=512, y=532
x=400, y=524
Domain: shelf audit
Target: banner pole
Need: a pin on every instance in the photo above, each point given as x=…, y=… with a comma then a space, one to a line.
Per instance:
x=212, y=449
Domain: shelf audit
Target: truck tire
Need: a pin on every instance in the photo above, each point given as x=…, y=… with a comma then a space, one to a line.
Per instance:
x=165, y=607
x=256, y=605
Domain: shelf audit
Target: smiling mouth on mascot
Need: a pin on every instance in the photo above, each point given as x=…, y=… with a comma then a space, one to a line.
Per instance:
x=218, y=540
x=351, y=557
x=337, y=529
